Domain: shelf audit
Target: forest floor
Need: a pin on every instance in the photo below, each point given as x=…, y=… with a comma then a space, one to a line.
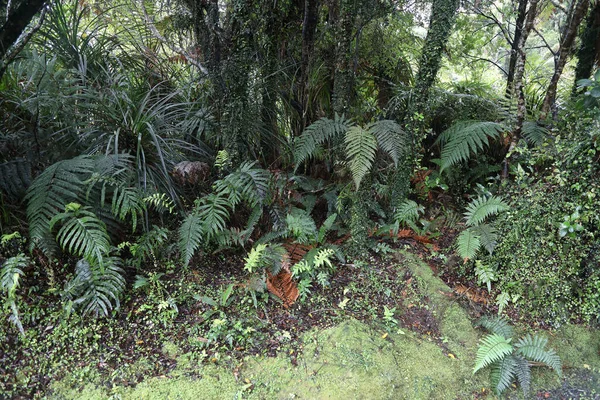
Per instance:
x=399, y=326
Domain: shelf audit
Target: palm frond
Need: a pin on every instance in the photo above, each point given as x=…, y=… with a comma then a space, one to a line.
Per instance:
x=361, y=147
x=465, y=138
x=482, y=207
x=492, y=349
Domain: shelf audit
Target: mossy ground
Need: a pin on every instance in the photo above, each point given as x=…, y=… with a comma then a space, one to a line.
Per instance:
x=362, y=360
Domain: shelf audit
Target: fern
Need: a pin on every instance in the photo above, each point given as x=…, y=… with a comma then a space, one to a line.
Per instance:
x=534, y=133
x=58, y=185
x=316, y=134
x=485, y=274
x=212, y=210
x=361, y=147
x=467, y=244
x=160, y=202
x=533, y=348
x=483, y=207
x=301, y=226
x=487, y=235
x=493, y=348
x=502, y=373
x=497, y=325
x=408, y=211
x=82, y=233
x=465, y=138
x=128, y=201
x=10, y=276
x=248, y=183
x=96, y=289
x=391, y=139
x=15, y=177
x=264, y=256
x=523, y=373
x=190, y=237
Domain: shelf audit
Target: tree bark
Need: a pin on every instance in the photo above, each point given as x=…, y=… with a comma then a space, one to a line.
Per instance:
x=343, y=83
x=16, y=23
x=309, y=27
x=589, y=52
x=562, y=56
x=514, y=52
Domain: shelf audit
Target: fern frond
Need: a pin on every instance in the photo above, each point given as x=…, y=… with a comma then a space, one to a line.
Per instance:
x=327, y=224
x=191, y=233
x=534, y=133
x=128, y=201
x=488, y=236
x=482, y=207
x=15, y=177
x=467, y=244
x=533, y=348
x=316, y=134
x=493, y=348
x=247, y=183
x=502, y=373
x=361, y=147
x=408, y=211
x=213, y=213
x=82, y=233
x=96, y=289
x=391, y=138
x=465, y=138
x=301, y=226
x=58, y=185
x=497, y=325
x=262, y=256
x=160, y=202
x=523, y=373
x=11, y=272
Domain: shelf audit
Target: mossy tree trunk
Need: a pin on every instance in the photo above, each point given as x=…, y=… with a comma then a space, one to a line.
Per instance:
x=589, y=51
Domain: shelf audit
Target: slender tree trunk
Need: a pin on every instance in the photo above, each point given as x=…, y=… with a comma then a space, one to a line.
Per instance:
x=16, y=23
x=562, y=56
x=309, y=26
x=589, y=52
x=519, y=73
x=343, y=84
x=514, y=52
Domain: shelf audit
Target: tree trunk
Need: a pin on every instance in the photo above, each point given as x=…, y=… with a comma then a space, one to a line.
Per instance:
x=309, y=27
x=514, y=52
x=563, y=54
x=343, y=83
x=589, y=52
x=16, y=23
x=519, y=72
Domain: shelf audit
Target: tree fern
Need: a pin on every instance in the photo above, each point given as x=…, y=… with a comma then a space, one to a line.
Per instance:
x=465, y=138
x=391, y=139
x=316, y=134
x=493, y=348
x=96, y=289
x=361, y=147
x=482, y=207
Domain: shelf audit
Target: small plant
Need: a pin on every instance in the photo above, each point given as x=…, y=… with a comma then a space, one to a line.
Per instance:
x=508, y=360
x=10, y=275
x=388, y=316
x=570, y=226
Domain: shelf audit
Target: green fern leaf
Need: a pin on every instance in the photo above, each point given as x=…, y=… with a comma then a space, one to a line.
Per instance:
x=301, y=226
x=247, y=183
x=15, y=177
x=482, y=207
x=487, y=235
x=523, y=373
x=493, y=348
x=316, y=134
x=213, y=213
x=408, y=211
x=391, y=139
x=58, y=185
x=190, y=236
x=503, y=373
x=82, y=233
x=497, y=325
x=534, y=133
x=128, y=201
x=361, y=146
x=465, y=138
x=467, y=244
x=533, y=348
